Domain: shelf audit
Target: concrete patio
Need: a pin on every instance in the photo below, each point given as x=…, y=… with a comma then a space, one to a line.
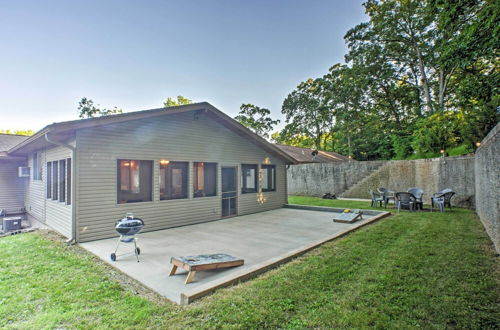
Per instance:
x=263, y=240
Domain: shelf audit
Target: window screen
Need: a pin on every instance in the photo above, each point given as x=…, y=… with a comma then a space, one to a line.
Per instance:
x=49, y=179
x=204, y=179
x=55, y=180
x=248, y=179
x=68, y=181
x=268, y=177
x=62, y=180
x=134, y=181
x=173, y=180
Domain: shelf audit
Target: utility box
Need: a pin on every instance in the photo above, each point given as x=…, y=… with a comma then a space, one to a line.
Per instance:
x=12, y=223
x=23, y=172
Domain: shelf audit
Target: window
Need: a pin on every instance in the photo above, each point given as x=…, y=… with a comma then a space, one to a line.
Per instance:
x=62, y=180
x=59, y=180
x=268, y=178
x=173, y=179
x=37, y=166
x=204, y=179
x=68, y=181
x=55, y=180
x=49, y=179
x=134, y=181
x=248, y=179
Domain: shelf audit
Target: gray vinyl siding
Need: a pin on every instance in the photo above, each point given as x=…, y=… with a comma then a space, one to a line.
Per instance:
x=57, y=214
x=35, y=191
x=177, y=137
x=11, y=186
x=53, y=213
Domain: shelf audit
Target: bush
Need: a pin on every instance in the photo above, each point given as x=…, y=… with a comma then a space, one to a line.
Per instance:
x=438, y=131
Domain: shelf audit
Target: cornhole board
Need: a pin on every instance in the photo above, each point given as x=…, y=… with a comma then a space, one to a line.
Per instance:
x=203, y=262
x=348, y=217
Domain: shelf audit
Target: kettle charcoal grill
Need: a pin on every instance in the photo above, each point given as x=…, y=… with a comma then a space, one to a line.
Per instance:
x=128, y=227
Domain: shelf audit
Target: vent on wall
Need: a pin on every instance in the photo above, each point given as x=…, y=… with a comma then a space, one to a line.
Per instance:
x=23, y=171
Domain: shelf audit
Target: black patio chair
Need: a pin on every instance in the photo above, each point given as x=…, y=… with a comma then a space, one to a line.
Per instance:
x=388, y=194
x=419, y=195
x=406, y=199
x=377, y=198
x=444, y=196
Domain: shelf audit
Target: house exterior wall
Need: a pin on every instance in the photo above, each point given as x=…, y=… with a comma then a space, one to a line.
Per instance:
x=53, y=213
x=190, y=137
x=57, y=214
x=11, y=186
x=35, y=191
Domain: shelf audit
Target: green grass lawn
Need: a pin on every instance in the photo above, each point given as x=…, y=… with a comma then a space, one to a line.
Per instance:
x=418, y=269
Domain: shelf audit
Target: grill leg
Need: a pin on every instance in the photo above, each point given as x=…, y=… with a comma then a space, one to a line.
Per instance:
x=135, y=249
x=118, y=244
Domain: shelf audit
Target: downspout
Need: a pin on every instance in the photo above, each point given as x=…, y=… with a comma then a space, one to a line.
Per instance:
x=72, y=239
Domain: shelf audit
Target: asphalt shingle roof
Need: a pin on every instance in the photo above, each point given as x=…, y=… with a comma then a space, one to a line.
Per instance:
x=305, y=155
x=7, y=141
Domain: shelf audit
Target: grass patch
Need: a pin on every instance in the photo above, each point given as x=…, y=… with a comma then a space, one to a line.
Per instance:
x=460, y=150
x=415, y=269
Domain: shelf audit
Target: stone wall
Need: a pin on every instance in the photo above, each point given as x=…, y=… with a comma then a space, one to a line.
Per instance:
x=319, y=178
x=354, y=179
x=432, y=175
x=487, y=171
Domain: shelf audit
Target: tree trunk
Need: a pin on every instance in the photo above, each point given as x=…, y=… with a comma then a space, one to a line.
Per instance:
x=423, y=78
x=444, y=78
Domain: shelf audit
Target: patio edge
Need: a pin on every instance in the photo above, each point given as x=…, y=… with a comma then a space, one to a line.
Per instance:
x=203, y=290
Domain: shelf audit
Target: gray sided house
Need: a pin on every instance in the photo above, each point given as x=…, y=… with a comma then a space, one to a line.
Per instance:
x=11, y=185
x=170, y=166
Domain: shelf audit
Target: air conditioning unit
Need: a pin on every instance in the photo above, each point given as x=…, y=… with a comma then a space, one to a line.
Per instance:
x=23, y=171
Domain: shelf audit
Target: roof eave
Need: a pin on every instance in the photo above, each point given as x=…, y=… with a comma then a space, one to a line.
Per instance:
x=101, y=121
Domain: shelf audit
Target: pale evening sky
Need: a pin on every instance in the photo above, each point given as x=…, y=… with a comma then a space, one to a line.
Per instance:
x=134, y=54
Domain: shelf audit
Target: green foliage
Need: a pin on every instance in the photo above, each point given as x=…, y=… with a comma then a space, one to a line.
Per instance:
x=87, y=109
x=421, y=75
x=27, y=132
x=306, y=112
x=460, y=150
x=439, y=131
x=257, y=119
x=401, y=146
x=181, y=100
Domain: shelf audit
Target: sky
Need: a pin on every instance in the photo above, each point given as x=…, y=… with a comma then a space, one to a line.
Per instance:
x=135, y=54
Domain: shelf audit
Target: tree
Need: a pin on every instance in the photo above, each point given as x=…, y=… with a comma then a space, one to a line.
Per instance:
x=27, y=132
x=181, y=100
x=256, y=119
x=440, y=131
x=416, y=38
x=86, y=109
x=307, y=113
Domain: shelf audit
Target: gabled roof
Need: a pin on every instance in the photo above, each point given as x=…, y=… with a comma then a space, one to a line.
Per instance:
x=8, y=141
x=305, y=155
x=64, y=130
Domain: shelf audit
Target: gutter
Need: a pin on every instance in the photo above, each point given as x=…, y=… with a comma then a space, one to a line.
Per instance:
x=72, y=239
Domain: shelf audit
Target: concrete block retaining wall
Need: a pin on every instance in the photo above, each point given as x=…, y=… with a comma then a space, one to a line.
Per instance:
x=487, y=172
x=432, y=175
x=319, y=178
x=354, y=179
